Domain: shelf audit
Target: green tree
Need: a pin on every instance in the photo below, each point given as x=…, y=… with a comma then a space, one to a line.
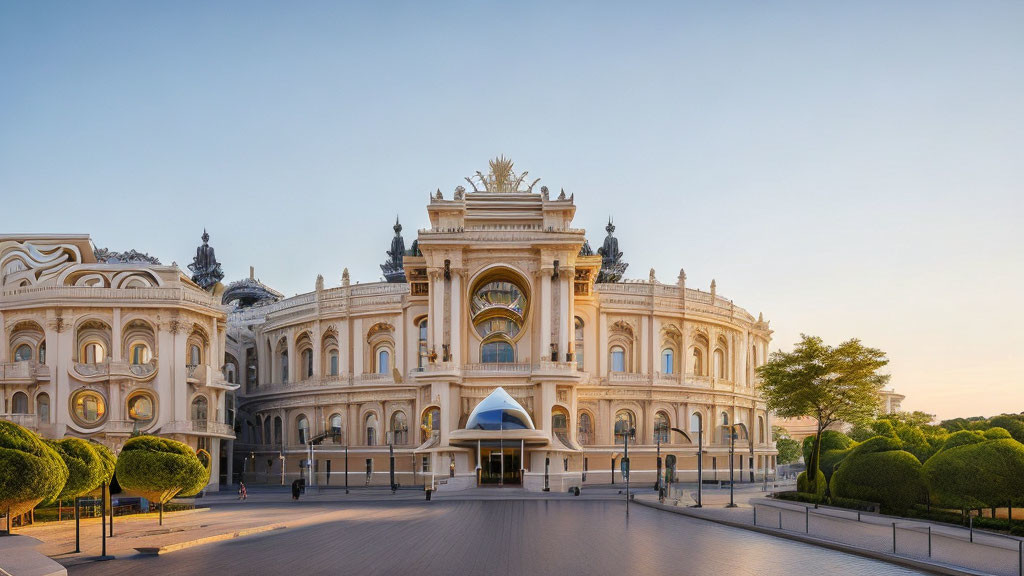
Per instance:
x=789, y=450
x=30, y=470
x=829, y=384
x=86, y=469
x=158, y=468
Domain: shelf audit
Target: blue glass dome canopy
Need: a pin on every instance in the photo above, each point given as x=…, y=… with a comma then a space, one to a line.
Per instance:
x=499, y=411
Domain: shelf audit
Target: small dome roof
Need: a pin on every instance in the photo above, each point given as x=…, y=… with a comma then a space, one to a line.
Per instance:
x=499, y=411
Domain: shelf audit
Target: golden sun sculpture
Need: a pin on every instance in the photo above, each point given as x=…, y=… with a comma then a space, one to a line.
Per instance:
x=502, y=179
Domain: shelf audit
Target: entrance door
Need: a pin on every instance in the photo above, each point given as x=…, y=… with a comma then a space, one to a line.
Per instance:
x=499, y=468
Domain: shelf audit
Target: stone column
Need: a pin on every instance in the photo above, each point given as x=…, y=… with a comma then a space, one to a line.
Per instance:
x=177, y=361
x=344, y=348
x=571, y=319
x=602, y=345
x=357, y=346
x=4, y=343
x=684, y=359
x=436, y=324
x=565, y=322
x=318, y=370
x=293, y=362
x=455, y=316
x=545, y=314
x=431, y=316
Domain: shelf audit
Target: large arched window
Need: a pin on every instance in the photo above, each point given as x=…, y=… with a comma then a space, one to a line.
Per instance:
x=19, y=403
x=23, y=353
x=284, y=365
x=93, y=353
x=698, y=362
x=399, y=428
x=724, y=417
x=625, y=424
x=278, y=430
x=720, y=367
x=695, y=422
x=200, y=408
x=88, y=408
x=268, y=437
x=43, y=408
x=560, y=424
x=371, y=429
x=421, y=345
x=195, y=355
x=761, y=436
x=430, y=423
x=579, y=343
x=140, y=353
x=497, y=351
x=303, y=426
x=585, y=429
x=661, y=428
x=336, y=429
x=333, y=363
x=307, y=363
x=618, y=359
x=383, y=361
x=667, y=361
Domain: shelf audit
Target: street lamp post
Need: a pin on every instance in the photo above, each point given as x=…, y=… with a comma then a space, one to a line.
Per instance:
x=391, y=452
x=685, y=435
x=625, y=461
x=346, y=468
x=731, y=429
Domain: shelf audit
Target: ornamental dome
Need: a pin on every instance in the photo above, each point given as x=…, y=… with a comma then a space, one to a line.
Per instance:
x=499, y=411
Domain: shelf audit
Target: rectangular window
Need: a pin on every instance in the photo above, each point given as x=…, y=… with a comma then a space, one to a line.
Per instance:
x=334, y=364
x=426, y=464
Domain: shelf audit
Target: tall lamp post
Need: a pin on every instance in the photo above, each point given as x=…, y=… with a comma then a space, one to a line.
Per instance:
x=731, y=430
x=625, y=461
x=685, y=435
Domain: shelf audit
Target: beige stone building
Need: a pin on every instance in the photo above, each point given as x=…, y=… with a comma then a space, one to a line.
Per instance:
x=500, y=297
x=101, y=345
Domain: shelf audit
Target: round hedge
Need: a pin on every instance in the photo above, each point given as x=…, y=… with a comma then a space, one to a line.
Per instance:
x=206, y=460
x=976, y=475
x=158, y=468
x=802, y=484
x=963, y=438
x=880, y=471
x=830, y=440
x=86, y=469
x=30, y=470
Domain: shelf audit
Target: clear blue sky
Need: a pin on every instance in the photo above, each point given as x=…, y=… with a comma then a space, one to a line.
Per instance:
x=849, y=169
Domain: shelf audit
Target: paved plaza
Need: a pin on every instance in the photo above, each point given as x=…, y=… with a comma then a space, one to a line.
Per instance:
x=502, y=533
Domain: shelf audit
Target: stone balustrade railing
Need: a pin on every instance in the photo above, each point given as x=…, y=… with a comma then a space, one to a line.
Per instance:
x=16, y=371
x=29, y=421
x=197, y=426
x=73, y=293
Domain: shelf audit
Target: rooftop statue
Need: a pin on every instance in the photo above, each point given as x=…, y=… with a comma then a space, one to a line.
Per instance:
x=393, y=268
x=501, y=179
x=612, y=266
x=130, y=257
x=205, y=269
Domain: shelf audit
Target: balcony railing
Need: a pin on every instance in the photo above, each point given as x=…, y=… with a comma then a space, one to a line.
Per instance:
x=197, y=426
x=119, y=426
x=18, y=371
x=29, y=421
x=498, y=367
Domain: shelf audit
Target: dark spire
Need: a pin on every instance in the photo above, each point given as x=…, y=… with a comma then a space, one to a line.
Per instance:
x=205, y=269
x=393, y=268
x=612, y=266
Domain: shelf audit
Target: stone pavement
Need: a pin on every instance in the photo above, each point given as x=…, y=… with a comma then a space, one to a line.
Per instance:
x=948, y=549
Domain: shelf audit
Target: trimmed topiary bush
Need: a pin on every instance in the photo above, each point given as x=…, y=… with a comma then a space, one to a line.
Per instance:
x=30, y=470
x=158, y=468
x=207, y=461
x=802, y=487
x=963, y=438
x=976, y=474
x=830, y=440
x=86, y=470
x=879, y=470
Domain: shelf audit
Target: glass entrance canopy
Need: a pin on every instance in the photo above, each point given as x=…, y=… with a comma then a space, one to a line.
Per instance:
x=499, y=411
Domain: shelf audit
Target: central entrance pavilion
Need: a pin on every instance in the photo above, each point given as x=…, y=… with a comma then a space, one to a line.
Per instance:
x=501, y=431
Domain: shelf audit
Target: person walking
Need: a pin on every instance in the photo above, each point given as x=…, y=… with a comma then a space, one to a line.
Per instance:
x=242, y=493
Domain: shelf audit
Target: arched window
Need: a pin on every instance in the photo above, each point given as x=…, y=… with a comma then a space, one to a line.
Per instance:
x=667, y=361
x=422, y=344
x=307, y=363
x=585, y=429
x=430, y=424
x=399, y=428
x=496, y=352
x=383, y=361
x=23, y=353
x=195, y=355
x=560, y=424
x=303, y=425
x=661, y=428
x=579, y=343
x=140, y=408
x=333, y=368
x=200, y=408
x=19, y=403
x=284, y=366
x=371, y=429
x=336, y=426
x=625, y=424
x=760, y=430
x=278, y=430
x=43, y=408
x=88, y=408
x=698, y=362
x=93, y=353
x=720, y=368
x=268, y=438
x=618, y=359
x=695, y=423
x=140, y=353
x=725, y=427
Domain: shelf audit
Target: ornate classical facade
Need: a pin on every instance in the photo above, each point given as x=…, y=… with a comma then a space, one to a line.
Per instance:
x=499, y=298
x=101, y=345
